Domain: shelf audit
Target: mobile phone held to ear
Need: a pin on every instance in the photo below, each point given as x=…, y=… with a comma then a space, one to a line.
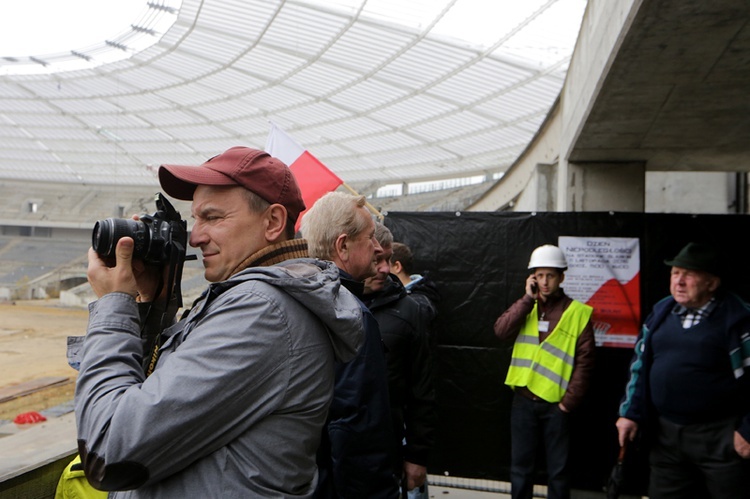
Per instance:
x=534, y=287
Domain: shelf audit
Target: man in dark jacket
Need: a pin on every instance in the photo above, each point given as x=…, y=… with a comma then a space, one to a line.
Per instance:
x=410, y=373
x=420, y=288
x=356, y=456
x=689, y=384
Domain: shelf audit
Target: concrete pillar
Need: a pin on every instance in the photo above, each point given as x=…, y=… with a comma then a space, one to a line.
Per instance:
x=540, y=192
x=603, y=187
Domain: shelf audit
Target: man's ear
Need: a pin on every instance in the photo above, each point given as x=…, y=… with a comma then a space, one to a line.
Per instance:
x=396, y=267
x=275, y=220
x=714, y=284
x=341, y=247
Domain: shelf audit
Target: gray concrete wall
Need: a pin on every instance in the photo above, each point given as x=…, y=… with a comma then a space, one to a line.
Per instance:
x=606, y=187
x=600, y=36
x=689, y=192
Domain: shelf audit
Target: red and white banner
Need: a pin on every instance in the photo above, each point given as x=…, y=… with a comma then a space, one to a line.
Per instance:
x=604, y=272
x=313, y=177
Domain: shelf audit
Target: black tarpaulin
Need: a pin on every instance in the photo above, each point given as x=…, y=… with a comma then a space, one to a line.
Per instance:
x=479, y=262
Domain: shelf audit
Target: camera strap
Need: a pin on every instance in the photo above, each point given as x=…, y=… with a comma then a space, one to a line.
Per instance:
x=174, y=292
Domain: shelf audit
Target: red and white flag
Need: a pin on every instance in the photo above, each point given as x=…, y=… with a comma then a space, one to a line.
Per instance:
x=313, y=177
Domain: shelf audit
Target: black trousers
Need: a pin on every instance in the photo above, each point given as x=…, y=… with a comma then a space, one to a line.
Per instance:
x=532, y=422
x=697, y=461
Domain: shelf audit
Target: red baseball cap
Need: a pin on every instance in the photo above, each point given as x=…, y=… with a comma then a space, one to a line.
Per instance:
x=253, y=169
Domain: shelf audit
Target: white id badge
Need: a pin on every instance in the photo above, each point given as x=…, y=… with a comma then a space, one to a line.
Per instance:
x=543, y=326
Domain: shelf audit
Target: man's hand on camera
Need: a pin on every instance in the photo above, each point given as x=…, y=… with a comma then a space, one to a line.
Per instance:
x=106, y=279
x=148, y=278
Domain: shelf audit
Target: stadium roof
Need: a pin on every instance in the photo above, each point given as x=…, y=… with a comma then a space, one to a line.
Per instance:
x=381, y=91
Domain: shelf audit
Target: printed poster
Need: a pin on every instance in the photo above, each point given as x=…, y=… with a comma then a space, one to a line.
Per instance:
x=604, y=272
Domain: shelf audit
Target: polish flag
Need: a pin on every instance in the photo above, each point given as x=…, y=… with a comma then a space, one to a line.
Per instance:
x=313, y=177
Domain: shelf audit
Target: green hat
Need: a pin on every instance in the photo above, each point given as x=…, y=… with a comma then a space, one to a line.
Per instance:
x=697, y=256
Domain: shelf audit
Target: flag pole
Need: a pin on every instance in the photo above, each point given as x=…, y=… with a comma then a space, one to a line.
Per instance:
x=371, y=207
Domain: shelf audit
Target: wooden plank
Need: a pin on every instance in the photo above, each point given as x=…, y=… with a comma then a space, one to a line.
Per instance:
x=28, y=387
x=37, y=445
x=39, y=483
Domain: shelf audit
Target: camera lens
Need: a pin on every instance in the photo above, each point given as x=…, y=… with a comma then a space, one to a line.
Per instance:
x=108, y=232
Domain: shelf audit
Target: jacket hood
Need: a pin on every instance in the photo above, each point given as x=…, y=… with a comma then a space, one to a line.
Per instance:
x=316, y=285
x=423, y=285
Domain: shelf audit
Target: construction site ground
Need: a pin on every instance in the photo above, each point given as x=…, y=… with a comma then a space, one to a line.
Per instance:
x=34, y=371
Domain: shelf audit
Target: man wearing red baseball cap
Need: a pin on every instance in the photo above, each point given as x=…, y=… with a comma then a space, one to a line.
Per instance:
x=238, y=397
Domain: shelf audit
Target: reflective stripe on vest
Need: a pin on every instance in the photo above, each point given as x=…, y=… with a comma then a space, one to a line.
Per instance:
x=546, y=369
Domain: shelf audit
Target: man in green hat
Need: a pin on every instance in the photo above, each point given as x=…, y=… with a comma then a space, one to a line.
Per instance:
x=690, y=384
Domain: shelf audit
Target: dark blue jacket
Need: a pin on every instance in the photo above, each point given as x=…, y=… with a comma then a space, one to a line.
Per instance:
x=410, y=370
x=734, y=316
x=356, y=455
x=425, y=292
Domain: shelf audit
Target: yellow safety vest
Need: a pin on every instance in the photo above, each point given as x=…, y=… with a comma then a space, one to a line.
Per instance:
x=74, y=485
x=545, y=368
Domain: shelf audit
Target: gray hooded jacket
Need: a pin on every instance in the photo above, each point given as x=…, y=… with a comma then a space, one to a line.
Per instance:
x=239, y=396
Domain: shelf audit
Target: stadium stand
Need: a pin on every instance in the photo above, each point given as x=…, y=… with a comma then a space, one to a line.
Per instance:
x=46, y=227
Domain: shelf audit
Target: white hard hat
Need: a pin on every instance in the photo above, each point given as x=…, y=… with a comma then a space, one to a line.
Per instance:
x=548, y=256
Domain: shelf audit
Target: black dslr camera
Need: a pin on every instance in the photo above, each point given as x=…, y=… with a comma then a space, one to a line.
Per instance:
x=160, y=239
x=155, y=236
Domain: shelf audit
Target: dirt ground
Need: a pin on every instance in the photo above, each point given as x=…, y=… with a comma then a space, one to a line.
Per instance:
x=33, y=337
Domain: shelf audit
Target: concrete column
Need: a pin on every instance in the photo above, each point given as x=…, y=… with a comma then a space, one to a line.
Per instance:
x=603, y=187
x=540, y=192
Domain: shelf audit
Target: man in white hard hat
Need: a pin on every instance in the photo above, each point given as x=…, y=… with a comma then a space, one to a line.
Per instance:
x=553, y=356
